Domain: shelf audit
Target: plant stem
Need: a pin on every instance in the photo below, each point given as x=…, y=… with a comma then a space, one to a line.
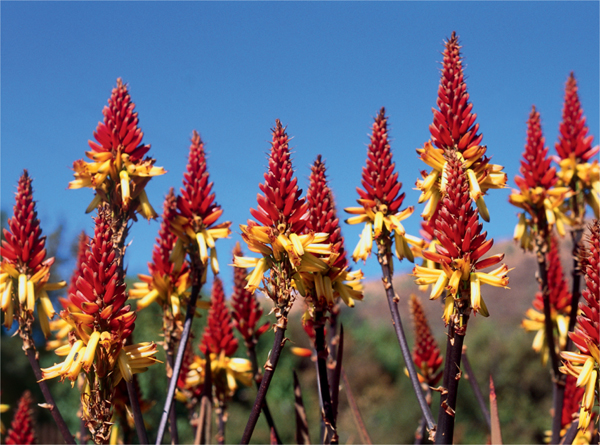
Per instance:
x=185, y=335
x=221, y=423
x=541, y=248
x=302, y=435
x=445, y=431
x=473, y=381
x=173, y=413
x=328, y=418
x=203, y=429
x=571, y=433
x=60, y=422
x=137, y=413
x=337, y=371
x=358, y=420
x=257, y=379
x=558, y=395
x=266, y=381
x=382, y=256
x=576, y=236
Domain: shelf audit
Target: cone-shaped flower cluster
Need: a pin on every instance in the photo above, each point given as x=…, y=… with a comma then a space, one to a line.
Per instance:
x=461, y=248
x=101, y=321
x=560, y=305
x=454, y=127
x=246, y=310
x=118, y=171
x=218, y=335
x=281, y=214
x=21, y=431
x=325, y=286
x=168, y=282
x=578, y=169
x=426, y=353
x=537, y=194
x=381, y=199
x=197, y=212
x=25, y=271
x=219, y=342
x=585, y=364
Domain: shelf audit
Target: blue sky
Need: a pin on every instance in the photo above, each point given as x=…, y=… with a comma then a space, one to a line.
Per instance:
x=229, y=69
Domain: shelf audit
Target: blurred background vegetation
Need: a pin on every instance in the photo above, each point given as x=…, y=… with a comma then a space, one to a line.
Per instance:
x=497, y=346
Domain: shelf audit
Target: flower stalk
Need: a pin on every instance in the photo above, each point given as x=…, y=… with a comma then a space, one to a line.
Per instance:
x=195, y=225
x=380, y=202
x=24, y=277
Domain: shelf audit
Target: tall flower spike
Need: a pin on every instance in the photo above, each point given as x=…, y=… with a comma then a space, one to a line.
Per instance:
x=218, y=336
x=585, y=364
x=21, y=431
x=380, y=200
x=454, y=127
x=574, y=147
x=118, y=171
x=337, y=281
x=560, y=300
x=25, y=271
x=537, y=194
x=101, y=323
x=197, y=211
x=246, y=310
x=286, y=251
x=460, y=252
x=426, y=353
x=282, y=215
x=168, y=282
x=219, y=342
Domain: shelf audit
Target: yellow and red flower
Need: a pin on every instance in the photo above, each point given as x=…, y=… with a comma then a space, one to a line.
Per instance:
x=585, y=364
x=118, y=171
x=537, y=194
x=380, y=200
x=218, y=341
x=25, y=271
x=168, y=281
x=458, y=258
x=282, y=215
x=101, y=321
x=560, y=305
x=578, y=169
x=246, y=310
x=454, y=127
x=197, y=212
x=323, y=287
x=426, y=352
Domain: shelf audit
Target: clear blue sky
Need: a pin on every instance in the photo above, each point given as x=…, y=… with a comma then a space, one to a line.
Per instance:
x=230, y=69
